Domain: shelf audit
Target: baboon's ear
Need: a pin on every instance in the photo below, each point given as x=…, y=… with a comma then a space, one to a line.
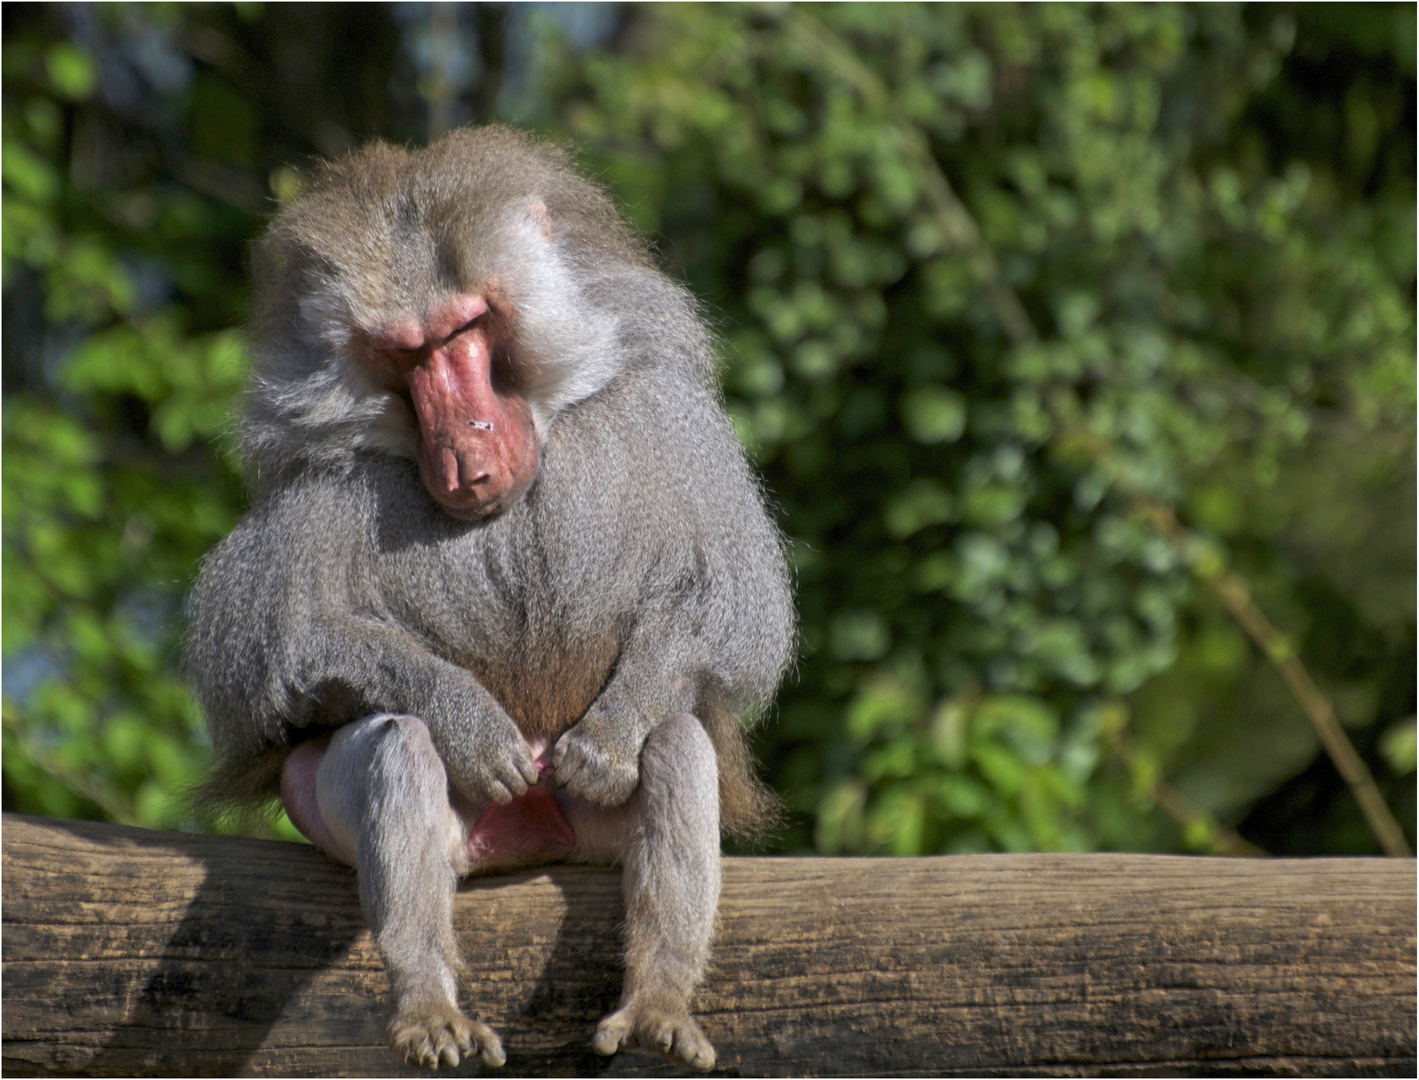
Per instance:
x=537, y=211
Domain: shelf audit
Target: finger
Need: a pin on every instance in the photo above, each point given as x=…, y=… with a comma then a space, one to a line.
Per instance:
x=569, y=767
x=514, y=775
x=499, y=793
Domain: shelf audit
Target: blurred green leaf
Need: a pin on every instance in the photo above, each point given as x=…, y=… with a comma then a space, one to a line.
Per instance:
x=71, y=70
x=1398, y=745
x=859, y=635
x=934, y=414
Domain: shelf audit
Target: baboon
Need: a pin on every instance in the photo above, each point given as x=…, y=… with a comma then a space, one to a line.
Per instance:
x=507, y=591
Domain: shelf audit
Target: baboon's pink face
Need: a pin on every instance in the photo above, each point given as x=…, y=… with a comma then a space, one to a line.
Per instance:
x=477, y=446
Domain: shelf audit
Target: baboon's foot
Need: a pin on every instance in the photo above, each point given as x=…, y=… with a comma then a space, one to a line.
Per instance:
x=668, y=1031
x=439, y=1034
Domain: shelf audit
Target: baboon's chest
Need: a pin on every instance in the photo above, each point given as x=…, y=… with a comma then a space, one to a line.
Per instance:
x=546, y=690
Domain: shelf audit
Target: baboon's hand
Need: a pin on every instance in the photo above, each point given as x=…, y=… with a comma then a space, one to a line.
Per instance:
x=492, y=762
x=599, y=759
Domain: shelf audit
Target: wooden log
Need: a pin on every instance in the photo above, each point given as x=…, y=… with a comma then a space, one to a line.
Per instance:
x=137, y=953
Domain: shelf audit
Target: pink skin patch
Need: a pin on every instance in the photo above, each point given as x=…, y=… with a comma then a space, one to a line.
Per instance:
x=298, y=797
x=477, y=447
x=529, y=829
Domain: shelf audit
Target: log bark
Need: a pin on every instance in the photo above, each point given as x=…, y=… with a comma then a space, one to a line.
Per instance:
x=137, y=953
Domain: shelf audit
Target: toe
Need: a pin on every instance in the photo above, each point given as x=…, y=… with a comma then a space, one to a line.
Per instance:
x=611, y=1033
x=490, y=1047
x=695, y=1051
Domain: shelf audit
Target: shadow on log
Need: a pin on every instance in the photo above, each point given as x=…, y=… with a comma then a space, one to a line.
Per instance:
x=138, y=953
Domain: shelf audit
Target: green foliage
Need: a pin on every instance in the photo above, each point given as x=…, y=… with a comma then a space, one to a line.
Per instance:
x=112, y=484
x=1206, y=213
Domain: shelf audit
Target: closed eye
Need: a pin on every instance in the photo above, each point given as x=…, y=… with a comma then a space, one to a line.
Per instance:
x=463, y=329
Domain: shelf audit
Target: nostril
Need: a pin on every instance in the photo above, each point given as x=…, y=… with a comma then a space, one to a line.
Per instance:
x=473, y=475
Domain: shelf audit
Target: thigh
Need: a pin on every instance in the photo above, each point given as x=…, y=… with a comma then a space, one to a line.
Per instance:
x=382, y=769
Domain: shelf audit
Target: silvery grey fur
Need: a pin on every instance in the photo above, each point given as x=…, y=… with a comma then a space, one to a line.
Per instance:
x=637, y=587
